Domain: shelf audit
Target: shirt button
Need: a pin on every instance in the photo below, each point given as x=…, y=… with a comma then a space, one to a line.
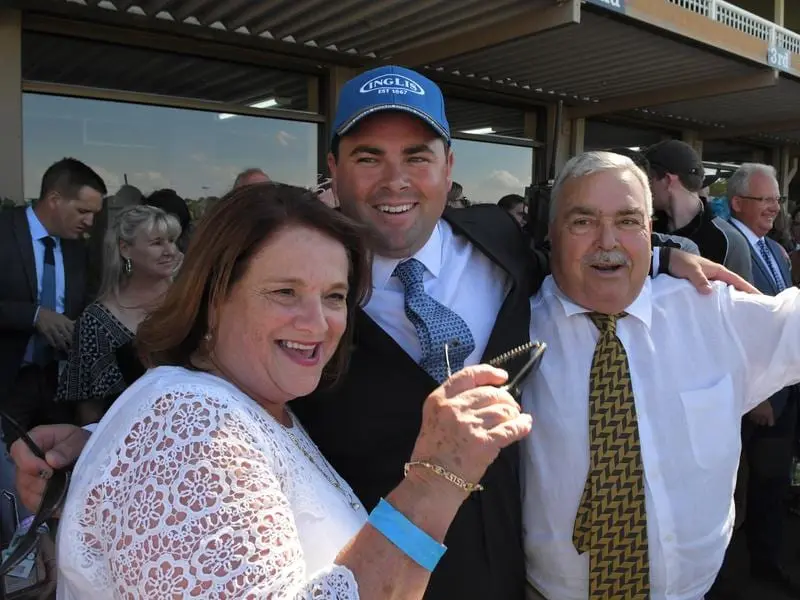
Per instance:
x=669, y=539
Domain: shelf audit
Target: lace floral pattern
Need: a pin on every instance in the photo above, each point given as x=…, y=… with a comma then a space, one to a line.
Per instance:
x=191, y=493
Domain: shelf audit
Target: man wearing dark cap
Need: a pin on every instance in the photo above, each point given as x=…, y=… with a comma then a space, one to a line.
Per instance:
x=677, y=175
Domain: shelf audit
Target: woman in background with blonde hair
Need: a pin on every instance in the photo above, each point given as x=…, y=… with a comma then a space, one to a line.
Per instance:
x=139, y=260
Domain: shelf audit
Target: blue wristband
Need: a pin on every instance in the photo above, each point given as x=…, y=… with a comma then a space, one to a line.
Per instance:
x=415, y=543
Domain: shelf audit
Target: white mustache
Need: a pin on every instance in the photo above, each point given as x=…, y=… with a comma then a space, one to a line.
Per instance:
x=610, y=258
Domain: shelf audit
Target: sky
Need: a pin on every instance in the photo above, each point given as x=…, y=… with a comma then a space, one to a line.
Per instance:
x=197, y=153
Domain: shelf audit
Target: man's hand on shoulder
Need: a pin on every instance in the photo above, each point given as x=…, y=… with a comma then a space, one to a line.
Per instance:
x=763, y=414
x=701, y=271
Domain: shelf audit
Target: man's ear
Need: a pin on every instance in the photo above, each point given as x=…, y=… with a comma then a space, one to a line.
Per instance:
x=51, y=198
x=673, y=180
x=332, y=170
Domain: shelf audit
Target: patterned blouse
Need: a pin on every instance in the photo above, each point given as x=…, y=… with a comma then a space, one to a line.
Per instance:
x=93, y=370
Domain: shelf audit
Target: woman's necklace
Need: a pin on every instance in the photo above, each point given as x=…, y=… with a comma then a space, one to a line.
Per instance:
x=328, y=473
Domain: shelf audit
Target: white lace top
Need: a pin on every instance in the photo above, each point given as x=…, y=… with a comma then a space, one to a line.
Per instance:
x=189, y=489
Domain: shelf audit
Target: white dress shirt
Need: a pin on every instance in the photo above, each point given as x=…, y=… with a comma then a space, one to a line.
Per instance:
x=457, y=275
x=698, y=363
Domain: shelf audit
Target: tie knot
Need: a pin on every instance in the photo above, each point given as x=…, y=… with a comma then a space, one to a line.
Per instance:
x=410, y=272
x=762, y=244
x=606, y=323
x=49, y=243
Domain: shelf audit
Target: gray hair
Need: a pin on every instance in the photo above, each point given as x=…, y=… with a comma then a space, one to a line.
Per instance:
x=126, y=224
x=244, y=175
x=739, y=182
x=589, y=163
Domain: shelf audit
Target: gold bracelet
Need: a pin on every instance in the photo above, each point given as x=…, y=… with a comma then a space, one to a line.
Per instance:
x=448, y=475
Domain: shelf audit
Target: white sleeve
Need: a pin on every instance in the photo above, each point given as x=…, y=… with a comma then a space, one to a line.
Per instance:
x=656, y=261
x=767, y=330
x=191, y=505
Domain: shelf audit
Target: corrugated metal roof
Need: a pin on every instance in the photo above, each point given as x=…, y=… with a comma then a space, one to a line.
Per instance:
x=776, y=103
x=597, y=59
x=601, y=58
x=364, y=27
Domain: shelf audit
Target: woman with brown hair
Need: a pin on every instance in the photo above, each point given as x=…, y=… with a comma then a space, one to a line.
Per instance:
x=200, y=483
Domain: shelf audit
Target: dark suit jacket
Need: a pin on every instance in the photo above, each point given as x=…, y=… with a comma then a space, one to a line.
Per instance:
x=762, y=279
x=367, y=426
x=19, y=289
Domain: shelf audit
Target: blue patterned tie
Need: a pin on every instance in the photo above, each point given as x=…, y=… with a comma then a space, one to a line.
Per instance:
x=766, y=254
x=436, y=324
x=43, y=353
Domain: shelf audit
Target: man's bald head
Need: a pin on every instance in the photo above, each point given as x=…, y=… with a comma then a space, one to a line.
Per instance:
x=249, y=177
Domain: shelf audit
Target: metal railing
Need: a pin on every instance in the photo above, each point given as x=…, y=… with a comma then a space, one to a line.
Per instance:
x=744, y=21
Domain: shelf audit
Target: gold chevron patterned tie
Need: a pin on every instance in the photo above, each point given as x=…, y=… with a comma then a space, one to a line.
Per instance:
x=611, y=524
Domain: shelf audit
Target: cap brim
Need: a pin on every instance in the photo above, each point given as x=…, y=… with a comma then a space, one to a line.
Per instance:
x=354, y=119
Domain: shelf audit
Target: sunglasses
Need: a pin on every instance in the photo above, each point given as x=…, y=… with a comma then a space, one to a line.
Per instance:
x=535, y=350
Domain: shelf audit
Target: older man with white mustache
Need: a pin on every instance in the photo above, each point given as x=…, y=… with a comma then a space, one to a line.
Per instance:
x=629, y=476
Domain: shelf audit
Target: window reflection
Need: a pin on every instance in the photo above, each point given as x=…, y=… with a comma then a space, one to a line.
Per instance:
x=489, y=171
x=466, y=116
x=63, y=60
x=196, y=153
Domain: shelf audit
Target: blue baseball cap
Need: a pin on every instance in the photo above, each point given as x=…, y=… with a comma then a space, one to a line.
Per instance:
x=391, y=88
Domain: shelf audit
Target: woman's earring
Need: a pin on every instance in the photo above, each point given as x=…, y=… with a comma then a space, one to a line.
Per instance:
x=127, y=266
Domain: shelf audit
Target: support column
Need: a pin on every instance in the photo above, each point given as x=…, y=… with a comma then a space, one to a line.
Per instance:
x=779, y=12
x=530, y=130
x=690, y=137
x=786, y=168
x=577, y=136
x=562, y=140
x=312, y=92
x=11, y=182
x=337, y=76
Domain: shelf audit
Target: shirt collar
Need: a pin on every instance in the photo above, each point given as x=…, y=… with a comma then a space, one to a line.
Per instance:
x=429, y=255
x=38, y=231
x=641, y=308
x=748, y=233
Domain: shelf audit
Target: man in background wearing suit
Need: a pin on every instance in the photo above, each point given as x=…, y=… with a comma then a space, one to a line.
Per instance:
x=42, y=289
x=768, y=430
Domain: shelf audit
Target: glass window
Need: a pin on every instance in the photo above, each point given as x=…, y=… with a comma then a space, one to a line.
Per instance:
x=488, y=171
x=602, y=134
x=54, y=59
x=196, y=153
x=477, y=118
